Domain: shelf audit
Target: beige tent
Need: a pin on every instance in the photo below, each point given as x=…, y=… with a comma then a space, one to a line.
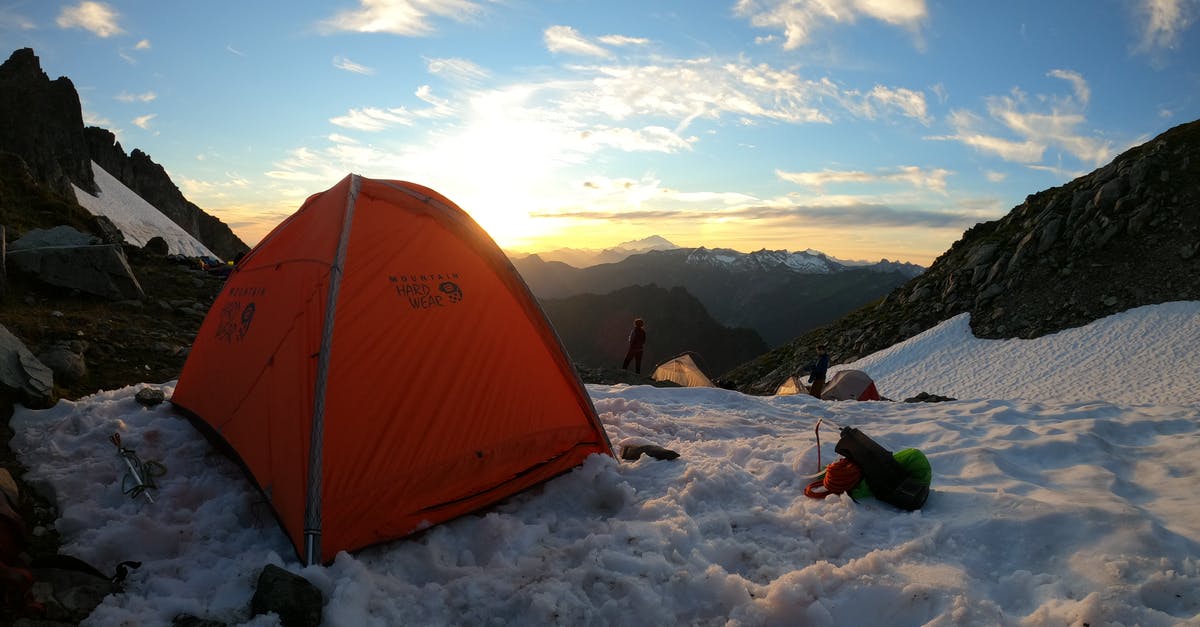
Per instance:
x=791, y=385
x=684, y=371
x=850, y=385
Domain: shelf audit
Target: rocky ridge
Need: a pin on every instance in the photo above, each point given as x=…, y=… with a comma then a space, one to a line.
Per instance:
x=41, y=122
x=1123, y=236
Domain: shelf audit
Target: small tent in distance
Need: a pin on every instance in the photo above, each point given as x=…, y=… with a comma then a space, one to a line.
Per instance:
x=791, y=385
x=684, y=371
x=331, y=367
x=850, y=385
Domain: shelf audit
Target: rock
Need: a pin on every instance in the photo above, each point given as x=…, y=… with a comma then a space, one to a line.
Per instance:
x=67, y=364
x=157, y=246
x=297, y=602
x=20, y=371
x=150, y=396
x=43, y=124
x=70, y=594
x=58, y=257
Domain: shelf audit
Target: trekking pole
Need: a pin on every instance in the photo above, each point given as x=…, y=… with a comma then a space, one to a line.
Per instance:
x=141, y=473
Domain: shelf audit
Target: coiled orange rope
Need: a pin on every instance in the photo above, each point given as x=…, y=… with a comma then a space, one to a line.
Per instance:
x=840, y=476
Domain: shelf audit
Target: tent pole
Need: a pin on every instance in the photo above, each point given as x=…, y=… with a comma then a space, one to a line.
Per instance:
x=312, y=507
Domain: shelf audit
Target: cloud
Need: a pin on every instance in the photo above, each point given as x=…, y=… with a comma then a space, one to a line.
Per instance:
x=564, y=39
x=342, y=63
x=142, y=97
x=143, y=44
x=994, y=176
x=933, y=180
x=97, y=17
x=458, y=70
x=1163, y=23
x=373, y=119
x=1038, y=124
x=229, y=48
x=407, y=18
x=881, y=100
x=14, y=21
x=143, y=121
x=1083, y=93
x=852, y=214
x=798, y=20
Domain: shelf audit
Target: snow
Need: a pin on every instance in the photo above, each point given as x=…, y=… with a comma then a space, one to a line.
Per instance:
x=1062, y=495
x=137, y=219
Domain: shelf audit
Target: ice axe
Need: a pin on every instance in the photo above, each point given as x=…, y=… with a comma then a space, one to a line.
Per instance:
x=142, y=473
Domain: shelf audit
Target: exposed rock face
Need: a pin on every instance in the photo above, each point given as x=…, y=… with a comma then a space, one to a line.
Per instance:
x=42, y=122
x=150, y=181
x=1124, y=236
x=67, y=258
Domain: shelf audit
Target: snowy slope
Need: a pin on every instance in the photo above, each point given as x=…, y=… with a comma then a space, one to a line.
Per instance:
x=138, y=220
x=1063, y=494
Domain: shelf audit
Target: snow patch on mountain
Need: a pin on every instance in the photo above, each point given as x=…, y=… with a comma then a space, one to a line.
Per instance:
x=138, y=220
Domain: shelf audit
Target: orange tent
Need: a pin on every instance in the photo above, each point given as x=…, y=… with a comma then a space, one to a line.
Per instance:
x=378, y=366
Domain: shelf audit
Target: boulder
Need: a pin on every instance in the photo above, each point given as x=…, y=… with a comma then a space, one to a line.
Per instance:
x=67, y=363
x=21, y=372
x=297, y=602
x=67, y=258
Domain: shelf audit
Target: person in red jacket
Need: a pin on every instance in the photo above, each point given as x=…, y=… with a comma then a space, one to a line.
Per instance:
x=637, y=343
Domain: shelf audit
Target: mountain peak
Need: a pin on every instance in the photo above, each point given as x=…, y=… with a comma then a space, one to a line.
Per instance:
x=654, y=242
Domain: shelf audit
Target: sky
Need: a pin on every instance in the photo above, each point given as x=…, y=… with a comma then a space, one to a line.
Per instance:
x=864, y=129
x=1063, y=494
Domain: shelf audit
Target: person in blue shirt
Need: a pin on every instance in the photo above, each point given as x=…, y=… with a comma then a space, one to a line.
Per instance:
x=816, y=372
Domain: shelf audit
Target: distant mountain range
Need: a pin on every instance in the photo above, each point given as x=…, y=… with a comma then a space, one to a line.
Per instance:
x=584, y=257
x=1123, y=236
x=595, y=329
x=777, y=293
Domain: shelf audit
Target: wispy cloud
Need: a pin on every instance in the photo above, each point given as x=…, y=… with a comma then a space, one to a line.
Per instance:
x=408, y=18
x=928, y=179
x=1163, y=22
x=798, y=20
x=566, y=40
x=373, y=119
x=883, y=100
x=456, y=70
x=851, y=213
x=342, y=63
x=148, y=96
x=143, y=44
x=10, y=20
x=234, y=51
x=143, y=121
x=1034, y=126
x=96, y=17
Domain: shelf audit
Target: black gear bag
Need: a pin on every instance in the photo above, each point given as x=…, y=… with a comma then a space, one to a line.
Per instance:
x=888, y=480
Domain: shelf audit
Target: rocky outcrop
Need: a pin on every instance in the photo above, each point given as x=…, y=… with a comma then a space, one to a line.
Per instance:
x=23, y=379
x=67, y=258
x=1123, y=236
x=147, y=179
x=42, y=122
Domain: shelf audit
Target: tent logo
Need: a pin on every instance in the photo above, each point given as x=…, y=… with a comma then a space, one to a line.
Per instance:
x=416, y=290
x=235, y=321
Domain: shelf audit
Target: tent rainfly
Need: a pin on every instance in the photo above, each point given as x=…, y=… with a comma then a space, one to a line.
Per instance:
x=791, y=385
x=684, y=371
x=850, y=385
x=332, y=367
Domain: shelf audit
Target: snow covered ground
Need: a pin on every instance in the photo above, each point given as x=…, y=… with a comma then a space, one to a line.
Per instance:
x=138, y=220
x=1063, y=494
